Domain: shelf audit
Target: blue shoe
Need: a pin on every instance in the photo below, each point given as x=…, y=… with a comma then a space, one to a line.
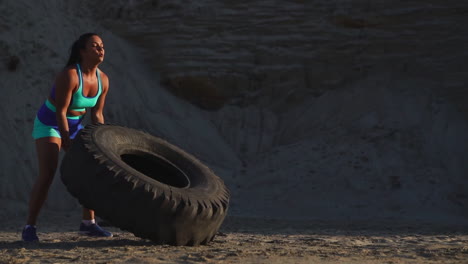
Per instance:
x=94, y=230
x=29, y=234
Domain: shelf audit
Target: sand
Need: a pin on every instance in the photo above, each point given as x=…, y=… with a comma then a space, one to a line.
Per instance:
x=243, y=240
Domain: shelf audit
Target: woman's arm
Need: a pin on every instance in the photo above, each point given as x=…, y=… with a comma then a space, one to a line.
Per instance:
x=97, y=115
x=65, y=84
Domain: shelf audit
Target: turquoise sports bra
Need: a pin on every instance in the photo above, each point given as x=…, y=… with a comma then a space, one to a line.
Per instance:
x=79, y=100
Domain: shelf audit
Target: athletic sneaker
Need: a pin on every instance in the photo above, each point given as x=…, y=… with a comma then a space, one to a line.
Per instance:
x=29, y=234
x=94, y=230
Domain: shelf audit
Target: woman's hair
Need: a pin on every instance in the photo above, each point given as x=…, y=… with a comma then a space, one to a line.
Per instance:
x=78, y=45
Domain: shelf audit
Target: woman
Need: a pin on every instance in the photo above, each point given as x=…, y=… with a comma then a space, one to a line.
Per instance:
x=79, y=86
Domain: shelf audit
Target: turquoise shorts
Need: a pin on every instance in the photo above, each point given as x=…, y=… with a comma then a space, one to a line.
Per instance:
x=45, y=124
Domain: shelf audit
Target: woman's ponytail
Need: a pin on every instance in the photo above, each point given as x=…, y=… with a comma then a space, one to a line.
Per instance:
x=78, y=45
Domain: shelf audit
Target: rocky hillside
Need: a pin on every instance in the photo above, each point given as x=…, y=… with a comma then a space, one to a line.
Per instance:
x=321, y=101
x=331, y=109
x=271, y=54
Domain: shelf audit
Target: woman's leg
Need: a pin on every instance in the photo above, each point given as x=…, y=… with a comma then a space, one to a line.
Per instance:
x=47, y=154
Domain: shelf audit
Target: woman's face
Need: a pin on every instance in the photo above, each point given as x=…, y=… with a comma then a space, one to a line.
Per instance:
x=94, y=50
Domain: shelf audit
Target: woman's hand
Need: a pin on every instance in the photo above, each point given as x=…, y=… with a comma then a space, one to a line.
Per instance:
x=66, y=143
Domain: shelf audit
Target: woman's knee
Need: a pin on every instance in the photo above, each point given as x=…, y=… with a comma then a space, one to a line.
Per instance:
x=47, y=172
x=45, y=177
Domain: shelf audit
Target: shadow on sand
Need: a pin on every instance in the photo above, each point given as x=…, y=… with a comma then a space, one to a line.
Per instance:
x=262, y=227
x=67, y=245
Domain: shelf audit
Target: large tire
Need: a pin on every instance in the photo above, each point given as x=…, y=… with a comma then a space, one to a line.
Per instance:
x=145, y=185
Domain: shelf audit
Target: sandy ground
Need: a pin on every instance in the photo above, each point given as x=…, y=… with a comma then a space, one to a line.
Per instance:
x=243, y=240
